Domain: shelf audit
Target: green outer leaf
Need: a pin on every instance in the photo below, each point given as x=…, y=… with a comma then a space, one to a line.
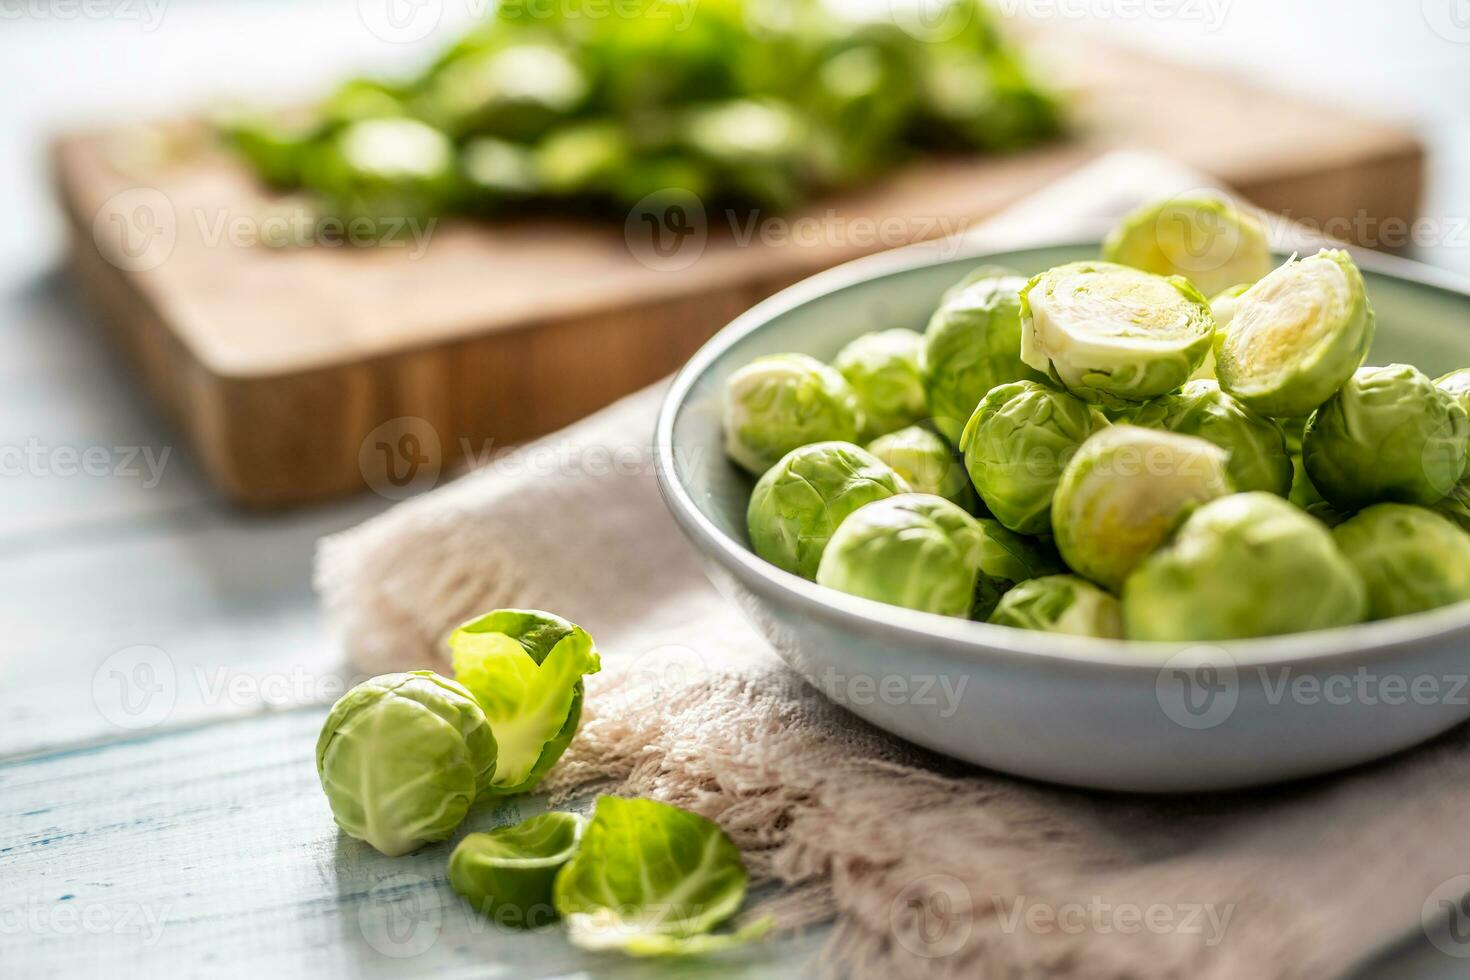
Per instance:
x=401, y=758
x=647, y=869
x=507, y=874
x=1257, y=447
x=525, y=668
x=586, y=929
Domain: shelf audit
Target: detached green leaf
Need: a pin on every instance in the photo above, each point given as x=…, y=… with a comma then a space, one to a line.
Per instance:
x=507, y=873
x=651, y=880
x=525, y=668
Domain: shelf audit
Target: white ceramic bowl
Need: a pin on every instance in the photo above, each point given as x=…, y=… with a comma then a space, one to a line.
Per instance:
x=1096, y=713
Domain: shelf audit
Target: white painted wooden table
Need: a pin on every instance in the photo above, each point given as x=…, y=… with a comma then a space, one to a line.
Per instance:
x=165, y=666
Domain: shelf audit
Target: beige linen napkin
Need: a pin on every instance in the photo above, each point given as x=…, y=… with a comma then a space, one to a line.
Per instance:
x=929, y=867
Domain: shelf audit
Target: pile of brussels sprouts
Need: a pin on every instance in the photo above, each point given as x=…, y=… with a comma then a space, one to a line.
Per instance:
x=594, y=104
x=403, y=757
x=1100, y=450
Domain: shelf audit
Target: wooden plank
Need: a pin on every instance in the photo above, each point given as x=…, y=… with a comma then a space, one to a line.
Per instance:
x=507, y=331
x=213, y=852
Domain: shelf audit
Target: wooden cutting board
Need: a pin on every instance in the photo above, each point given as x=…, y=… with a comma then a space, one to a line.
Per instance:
x=286, y=368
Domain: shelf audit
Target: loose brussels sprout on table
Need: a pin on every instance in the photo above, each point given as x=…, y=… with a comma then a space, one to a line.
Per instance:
x=1389, y=434
x=883, y=370
x=401, y=758
x=1204, y=239
x=785, y=401
x=1258, y=457
x=1016, y=445
x=1112, y=334
x=1060, y=604
x=384, y=169
x=1125, y=491
x=927, y=464
x=1411, y=559
x=1296, y=335
x=972, y=345
x=799, y=502
x=1245, y=565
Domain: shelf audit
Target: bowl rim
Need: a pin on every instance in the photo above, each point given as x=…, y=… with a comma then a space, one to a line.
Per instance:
x=984, y=640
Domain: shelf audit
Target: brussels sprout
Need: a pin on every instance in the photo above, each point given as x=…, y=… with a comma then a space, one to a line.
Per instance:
x=757, y=145
x=525, y=669
x=401, y=757
x=1060, y=604
x=495, y=171
x=1123, y=493
x=1113, y=334
x=913, y=549
x=1305, y=496
x=652, y=879
x=883, y=369
x=1456, y=384
x=1456, y=506
x=1296, y=335
x=927, y=464
x=1205, y=239
x=1245, y=565
x=507, y=873
x=1016, y=445
x=1007, y=558
x=1258, y=457
x=973, y=344
x=783, y=401
x=583, y=159
x=384, y=169
x=801, y=500
x=1411, y=559
x=1388, y=434
x=515, y=92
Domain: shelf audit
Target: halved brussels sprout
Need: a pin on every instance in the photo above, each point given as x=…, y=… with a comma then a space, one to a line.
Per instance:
x=883, y=369
x=1296, y=335
x=1016, y=445
x=801, y=500
x=1113, y=334
x=1245, y=565
x=971, y=345
x=525, y=668
x=1257, y=448
x=1388, y=435
x=1205, y=239
x=507, y=873
x=927, y=464
x=401, y=757
x=1411, y=559
x=782, y=401
x=1061, y=604
x=914, y=550
x=1125, y=491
